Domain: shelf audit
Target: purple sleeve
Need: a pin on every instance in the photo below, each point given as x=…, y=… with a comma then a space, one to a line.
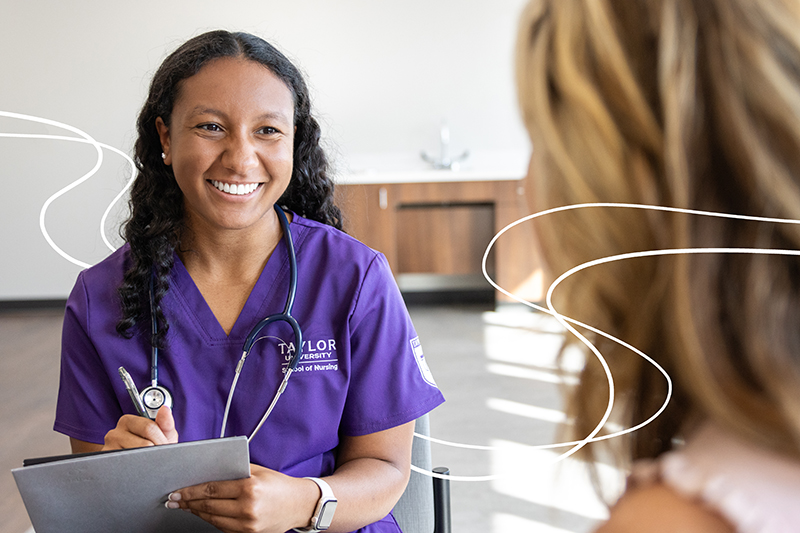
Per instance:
x=87, y=406
x=390, y=383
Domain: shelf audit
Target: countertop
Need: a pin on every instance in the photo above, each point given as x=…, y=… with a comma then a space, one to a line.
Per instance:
x=390, y=168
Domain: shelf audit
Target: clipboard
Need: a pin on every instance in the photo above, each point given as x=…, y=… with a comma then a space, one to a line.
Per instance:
x=124, y=491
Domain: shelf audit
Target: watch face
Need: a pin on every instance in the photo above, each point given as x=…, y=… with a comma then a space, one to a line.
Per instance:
x=326, y=514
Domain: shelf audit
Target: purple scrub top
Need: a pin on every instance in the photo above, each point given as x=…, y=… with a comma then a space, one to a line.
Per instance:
x=362, y=371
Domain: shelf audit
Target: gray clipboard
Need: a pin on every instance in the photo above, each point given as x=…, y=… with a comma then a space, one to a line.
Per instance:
x=125, y=491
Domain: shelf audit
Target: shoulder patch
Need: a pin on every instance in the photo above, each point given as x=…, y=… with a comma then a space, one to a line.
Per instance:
x=419, y=357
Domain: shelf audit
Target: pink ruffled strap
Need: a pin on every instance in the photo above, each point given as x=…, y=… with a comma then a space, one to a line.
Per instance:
x=756, y=490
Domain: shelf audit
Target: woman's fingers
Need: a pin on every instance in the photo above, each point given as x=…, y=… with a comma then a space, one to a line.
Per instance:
x=215, y=502
x=145, y=428
x=210, y=491
x=228, y=507
x=136, y=432
x=262, y=502
x=166, y=423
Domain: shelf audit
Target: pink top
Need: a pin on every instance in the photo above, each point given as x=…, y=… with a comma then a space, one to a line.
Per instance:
x=756, y=490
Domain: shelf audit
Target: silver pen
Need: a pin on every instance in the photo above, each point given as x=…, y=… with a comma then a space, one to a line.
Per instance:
x=133, y=391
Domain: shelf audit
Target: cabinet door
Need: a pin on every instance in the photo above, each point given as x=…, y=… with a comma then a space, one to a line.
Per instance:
x=368, y=213
x=443, y=239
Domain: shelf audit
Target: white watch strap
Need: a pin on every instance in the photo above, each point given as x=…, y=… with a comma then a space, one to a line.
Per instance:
x=327, y=496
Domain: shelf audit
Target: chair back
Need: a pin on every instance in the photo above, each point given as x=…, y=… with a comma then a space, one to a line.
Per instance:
x=415, y=510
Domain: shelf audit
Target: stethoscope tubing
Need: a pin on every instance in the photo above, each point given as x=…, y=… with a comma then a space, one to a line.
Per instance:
x=285, y=316
x=154, y=340
x=252, y=337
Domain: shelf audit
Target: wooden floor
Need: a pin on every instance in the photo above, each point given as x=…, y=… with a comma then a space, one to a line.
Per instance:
x=29, y=364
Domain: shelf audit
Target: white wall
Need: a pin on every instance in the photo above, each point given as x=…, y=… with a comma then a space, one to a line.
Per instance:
x=383, y=74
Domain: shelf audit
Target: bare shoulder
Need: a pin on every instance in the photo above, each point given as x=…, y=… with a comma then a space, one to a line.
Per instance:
x=659, y=509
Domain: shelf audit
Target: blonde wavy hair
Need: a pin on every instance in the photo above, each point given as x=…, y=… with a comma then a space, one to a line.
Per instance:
x=684, y=103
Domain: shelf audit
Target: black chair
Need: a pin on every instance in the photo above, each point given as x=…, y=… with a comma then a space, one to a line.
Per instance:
x=424, y=507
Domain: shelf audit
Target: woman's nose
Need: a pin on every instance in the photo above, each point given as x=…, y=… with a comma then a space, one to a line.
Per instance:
x=240, y=155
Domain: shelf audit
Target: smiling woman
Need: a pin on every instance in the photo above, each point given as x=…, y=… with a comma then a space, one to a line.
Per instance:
x=232, y=129
x=227, y=145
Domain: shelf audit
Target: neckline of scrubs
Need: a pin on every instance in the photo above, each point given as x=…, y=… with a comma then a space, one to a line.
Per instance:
x=267, y=297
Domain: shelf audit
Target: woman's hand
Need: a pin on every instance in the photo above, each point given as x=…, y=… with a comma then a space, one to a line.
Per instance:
x=134, y=432
x=266, y=502
x=371, y=473
x=137, y=431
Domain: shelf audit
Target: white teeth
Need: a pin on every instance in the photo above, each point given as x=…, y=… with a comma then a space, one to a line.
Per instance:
x=232, y=188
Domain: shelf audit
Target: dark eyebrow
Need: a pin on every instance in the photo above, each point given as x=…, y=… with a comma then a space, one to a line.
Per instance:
x=200, y=110
x=276, y=115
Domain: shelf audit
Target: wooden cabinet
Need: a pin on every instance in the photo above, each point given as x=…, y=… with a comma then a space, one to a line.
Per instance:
x=442, y=238
x=440, y=230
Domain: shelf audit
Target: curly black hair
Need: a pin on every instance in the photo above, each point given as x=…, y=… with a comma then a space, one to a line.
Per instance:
x=156, y=220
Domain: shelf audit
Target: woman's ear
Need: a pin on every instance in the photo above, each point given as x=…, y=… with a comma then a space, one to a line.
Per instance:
x=163, y=135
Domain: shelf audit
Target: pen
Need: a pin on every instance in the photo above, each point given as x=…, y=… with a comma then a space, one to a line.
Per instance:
x=133, y=391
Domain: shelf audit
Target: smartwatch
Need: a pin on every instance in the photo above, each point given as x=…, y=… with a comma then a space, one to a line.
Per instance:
x=326, y=506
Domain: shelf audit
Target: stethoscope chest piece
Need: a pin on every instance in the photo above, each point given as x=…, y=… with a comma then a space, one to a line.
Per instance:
x=154, y=397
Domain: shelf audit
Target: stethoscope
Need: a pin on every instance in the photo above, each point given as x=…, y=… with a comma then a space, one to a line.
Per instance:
x=153, y=397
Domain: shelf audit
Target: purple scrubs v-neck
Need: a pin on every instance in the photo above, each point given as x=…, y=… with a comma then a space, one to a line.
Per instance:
x=362, y=370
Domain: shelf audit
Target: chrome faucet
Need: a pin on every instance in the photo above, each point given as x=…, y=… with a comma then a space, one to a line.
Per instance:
x=444, y=161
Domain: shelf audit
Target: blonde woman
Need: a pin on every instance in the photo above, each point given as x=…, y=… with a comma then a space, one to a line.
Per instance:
x=691, y=104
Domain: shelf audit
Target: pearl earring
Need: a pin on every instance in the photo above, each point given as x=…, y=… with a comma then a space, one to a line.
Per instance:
x=163, y=155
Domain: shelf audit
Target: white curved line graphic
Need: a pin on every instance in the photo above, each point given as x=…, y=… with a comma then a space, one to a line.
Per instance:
x=84, y=138
x=568, y=322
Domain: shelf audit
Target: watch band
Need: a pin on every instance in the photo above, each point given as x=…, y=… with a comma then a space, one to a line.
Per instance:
x=326, y=506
